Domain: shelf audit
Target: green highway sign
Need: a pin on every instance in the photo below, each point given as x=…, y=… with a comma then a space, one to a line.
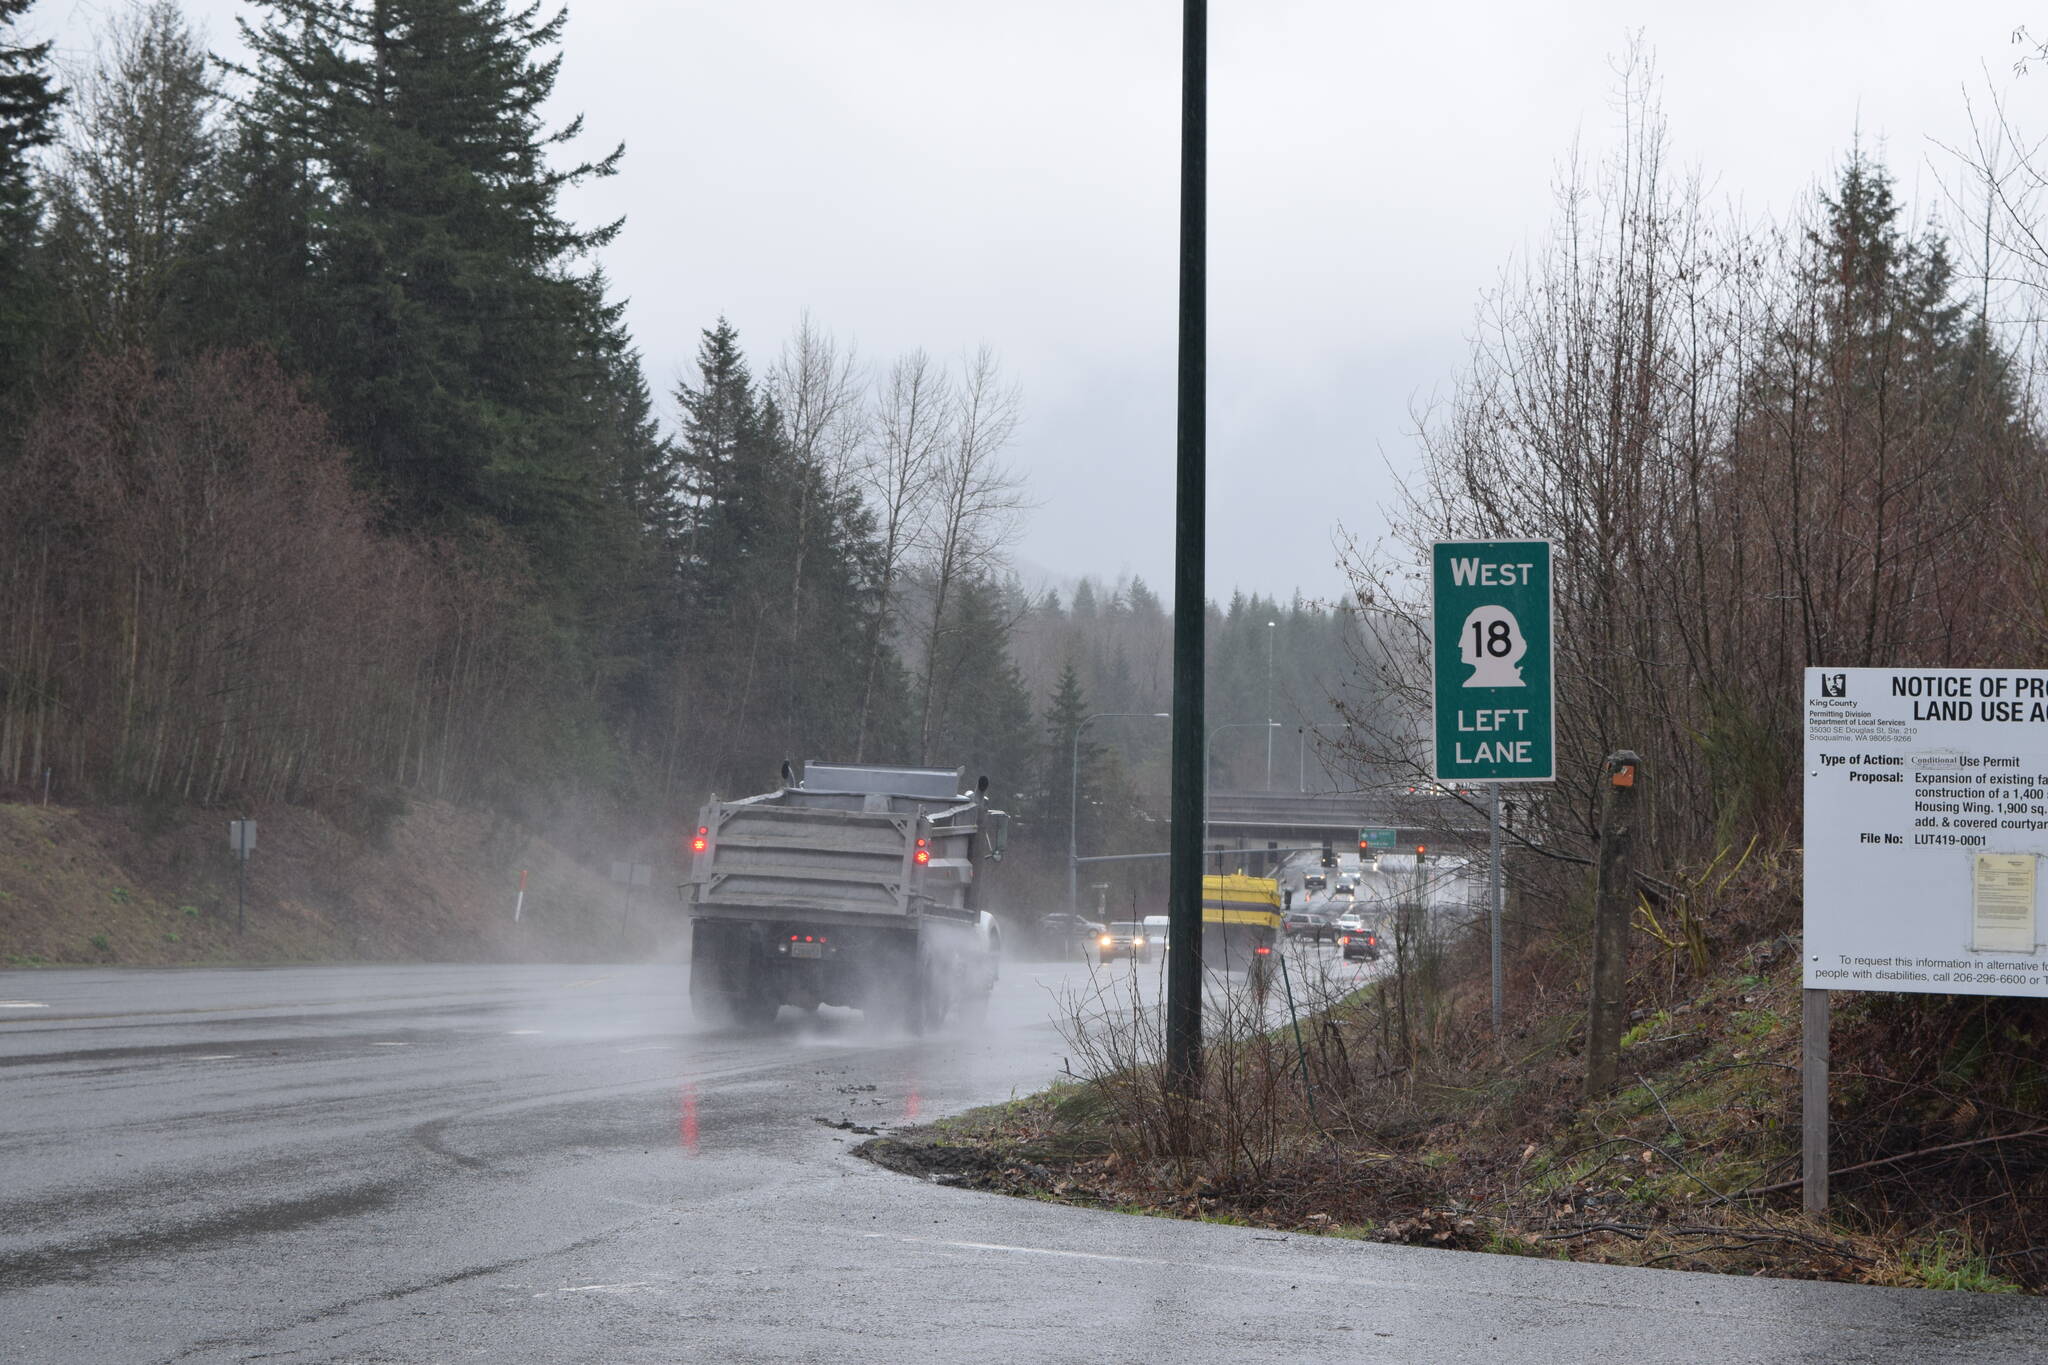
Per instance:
x=1494, y=692
x=1371, y=837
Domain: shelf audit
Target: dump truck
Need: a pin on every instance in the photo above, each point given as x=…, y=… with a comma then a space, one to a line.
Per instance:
x=855, y=885
x=1240, y=922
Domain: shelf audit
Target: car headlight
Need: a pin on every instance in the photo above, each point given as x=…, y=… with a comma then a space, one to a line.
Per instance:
x=1108, y=942
x=1138, y=941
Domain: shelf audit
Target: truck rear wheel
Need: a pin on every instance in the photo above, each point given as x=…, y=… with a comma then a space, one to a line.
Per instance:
x=727, y=983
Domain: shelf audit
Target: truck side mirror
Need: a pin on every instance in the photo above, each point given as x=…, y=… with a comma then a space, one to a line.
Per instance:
x=998, y=833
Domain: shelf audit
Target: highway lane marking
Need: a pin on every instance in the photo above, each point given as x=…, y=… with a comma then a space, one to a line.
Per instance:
x=390, y=1045
x=651, y=1047
x=22, y=1005
x=1027, y=1251
x=521, y=1032
x=218, y=1057
x=626, y=1287
x=591, y=981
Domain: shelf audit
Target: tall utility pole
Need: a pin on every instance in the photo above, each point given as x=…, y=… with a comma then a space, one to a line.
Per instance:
x=1190, y=590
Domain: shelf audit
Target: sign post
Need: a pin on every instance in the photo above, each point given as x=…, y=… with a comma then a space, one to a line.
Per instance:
x=1494, y=687
x=242, y=839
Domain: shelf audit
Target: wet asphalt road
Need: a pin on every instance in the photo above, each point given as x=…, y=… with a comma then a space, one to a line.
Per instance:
x=554, y=1164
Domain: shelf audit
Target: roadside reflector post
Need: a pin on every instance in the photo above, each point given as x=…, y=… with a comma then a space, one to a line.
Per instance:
x=519, y=906
x=1613, y=899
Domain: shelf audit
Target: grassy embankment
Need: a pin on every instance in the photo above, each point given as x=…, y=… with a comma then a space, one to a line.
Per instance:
x=433, y=882
x=1397, y=1118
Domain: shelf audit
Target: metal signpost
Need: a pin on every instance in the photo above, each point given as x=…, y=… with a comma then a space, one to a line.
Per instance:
x=630, y=876
x=1926, y=823
x=1494, y=687
x=242, y=839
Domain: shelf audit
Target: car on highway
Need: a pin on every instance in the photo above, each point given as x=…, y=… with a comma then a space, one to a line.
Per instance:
x=1126, y=938
x=1344, y=892
x=1296, y=923
x=1061, y=925
x=1348, y=922
x=1359, y=945
x=1313, y=881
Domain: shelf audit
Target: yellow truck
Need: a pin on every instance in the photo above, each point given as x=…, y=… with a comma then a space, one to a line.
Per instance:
x=1240, y=922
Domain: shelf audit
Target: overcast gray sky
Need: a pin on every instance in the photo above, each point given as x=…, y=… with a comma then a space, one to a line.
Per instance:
x=944, y=174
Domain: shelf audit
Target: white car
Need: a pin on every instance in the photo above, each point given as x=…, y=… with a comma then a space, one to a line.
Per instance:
x=1350, y=923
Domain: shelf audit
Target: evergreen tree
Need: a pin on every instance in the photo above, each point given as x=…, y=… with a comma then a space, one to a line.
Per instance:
x=28, y=111
x=440, y=319
x=1063, y=753
x=780, y=568
x=136, y=175
x=981, y=712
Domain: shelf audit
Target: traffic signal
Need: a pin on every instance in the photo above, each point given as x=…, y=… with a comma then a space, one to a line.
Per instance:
x=1422, y=853
x=1364, y=847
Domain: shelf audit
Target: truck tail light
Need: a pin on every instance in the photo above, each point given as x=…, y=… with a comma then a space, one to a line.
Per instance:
x=924, y=854
x=702, y=841
x=1263, y=950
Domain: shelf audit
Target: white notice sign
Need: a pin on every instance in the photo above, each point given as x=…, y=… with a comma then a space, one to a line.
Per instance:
x=1926, y=819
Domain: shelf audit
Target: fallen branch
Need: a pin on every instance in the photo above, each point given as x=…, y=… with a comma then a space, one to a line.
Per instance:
x=1782, y=1186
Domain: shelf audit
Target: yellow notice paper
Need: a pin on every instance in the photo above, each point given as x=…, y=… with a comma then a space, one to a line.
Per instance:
x=2002, y=903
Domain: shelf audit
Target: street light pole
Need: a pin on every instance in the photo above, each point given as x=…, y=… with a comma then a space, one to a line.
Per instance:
x=1074, y=803
x=1269, y=703
x=1209, y=764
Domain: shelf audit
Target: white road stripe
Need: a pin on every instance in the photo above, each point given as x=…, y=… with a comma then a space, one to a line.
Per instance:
x=1026, y=1251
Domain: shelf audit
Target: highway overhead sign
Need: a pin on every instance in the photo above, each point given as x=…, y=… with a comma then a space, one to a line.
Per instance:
x=1373, y=836
x=1494, y=690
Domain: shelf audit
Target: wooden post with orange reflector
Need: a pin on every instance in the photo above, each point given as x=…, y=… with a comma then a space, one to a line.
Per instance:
x=1613, y=900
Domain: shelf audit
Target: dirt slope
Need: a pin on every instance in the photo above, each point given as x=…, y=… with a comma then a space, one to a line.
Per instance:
x=114, y=884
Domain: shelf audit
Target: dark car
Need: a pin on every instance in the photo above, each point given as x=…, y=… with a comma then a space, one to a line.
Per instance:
x=1360, y=945
x=1295, y=923
x=1314, y=881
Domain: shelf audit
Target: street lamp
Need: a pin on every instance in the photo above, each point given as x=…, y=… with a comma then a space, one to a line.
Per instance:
x=1208, y=761
x=1269, y=703
x=1074, y=801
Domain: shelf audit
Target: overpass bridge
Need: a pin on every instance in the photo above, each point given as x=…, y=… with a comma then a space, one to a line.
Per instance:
x=1248, y=819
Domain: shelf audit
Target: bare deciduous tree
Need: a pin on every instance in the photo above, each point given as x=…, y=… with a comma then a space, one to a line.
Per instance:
x=975, y=507
x=911, y=425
